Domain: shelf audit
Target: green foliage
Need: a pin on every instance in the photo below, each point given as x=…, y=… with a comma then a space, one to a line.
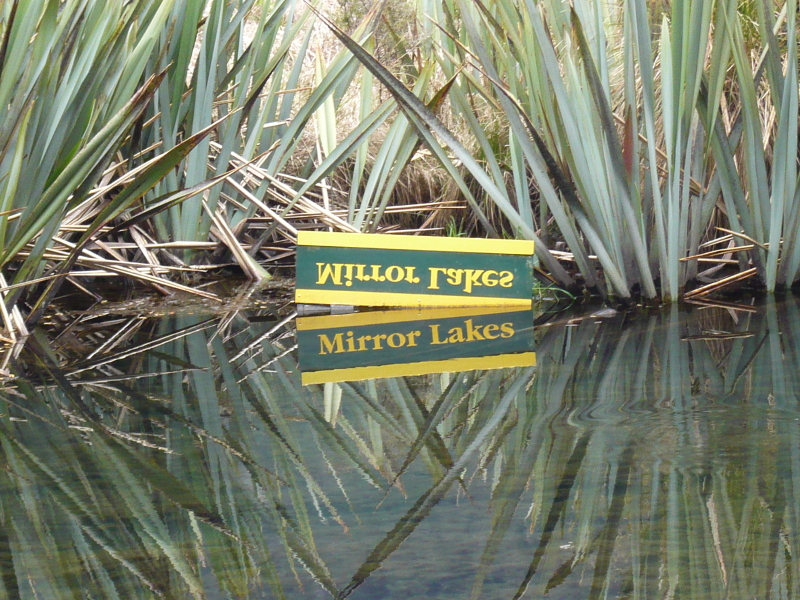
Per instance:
x=615, y=110
x=625, y=130
x=155, y=122
x=74, y=78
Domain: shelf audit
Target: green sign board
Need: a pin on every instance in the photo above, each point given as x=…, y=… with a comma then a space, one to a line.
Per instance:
x=389, y=270
x=396, y=343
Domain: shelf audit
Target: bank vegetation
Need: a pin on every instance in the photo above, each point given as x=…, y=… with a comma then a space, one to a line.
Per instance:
x=649, y=148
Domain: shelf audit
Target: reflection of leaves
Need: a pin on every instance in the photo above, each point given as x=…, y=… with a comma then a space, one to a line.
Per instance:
x=440, y=408
x=307, y=555
x=7, y=570
x=165, y=482
x=376, y=410
x=143, y=347
x=422, y=507
x=280, y=431
x=251, y=467
x=327, y=431
x=608, y=537
x=69, y=500
x=557, y=508
x=560, y=574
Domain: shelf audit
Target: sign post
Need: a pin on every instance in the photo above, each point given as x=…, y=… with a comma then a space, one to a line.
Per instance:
x=394, y=270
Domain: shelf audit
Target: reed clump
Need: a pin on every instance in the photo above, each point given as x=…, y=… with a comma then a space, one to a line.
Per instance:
x=633, y=131
x=649, y=148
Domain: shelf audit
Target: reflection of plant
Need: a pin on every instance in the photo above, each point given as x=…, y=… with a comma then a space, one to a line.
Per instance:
x=211, y=466
x=565, y=448
x=147, y=495
x=550, y=293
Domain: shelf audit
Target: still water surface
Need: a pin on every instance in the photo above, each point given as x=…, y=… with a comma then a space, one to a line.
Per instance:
x=649, y=456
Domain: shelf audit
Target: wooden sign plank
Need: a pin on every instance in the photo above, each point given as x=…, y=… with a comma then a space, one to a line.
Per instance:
x=398, y=343
x=389, y=270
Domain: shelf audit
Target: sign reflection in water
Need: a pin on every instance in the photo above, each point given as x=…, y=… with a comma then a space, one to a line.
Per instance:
x=413, y=342
x=643, y=457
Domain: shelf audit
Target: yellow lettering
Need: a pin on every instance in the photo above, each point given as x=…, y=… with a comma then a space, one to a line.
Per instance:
x=348, y=274
x=410, y=275
x=376, y=274
x=489, y=278
x=471, y=279
x=394, y=273
x=411, y=341
x=473, y=333
x=434, y=271
x=456, y=335
x=328, y=346
x=506, y=278
x=376, y=341
x=507, y=329
x=350, y=345
x=454, y=276
x=396, y=340
x=435, y=335
x=489, y=330
x=326, y=270
x=362, y=340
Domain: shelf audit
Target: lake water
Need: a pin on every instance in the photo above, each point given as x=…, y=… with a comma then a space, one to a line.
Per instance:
x=644, y=456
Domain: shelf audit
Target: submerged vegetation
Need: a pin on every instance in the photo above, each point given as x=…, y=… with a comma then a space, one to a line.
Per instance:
x=158, y=140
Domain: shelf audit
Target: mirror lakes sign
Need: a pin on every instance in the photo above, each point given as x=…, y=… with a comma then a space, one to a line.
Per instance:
x=397, y=343
x=390, y=270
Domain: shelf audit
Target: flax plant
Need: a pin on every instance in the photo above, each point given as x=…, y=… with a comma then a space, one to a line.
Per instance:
x=251, y=72
x=159, y=124
x=620, y=131
x=72, y=81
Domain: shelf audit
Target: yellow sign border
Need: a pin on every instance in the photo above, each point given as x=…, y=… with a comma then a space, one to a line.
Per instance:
x=501, y=361
x=407, y=242
x=402, y=315
x=306, y=296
